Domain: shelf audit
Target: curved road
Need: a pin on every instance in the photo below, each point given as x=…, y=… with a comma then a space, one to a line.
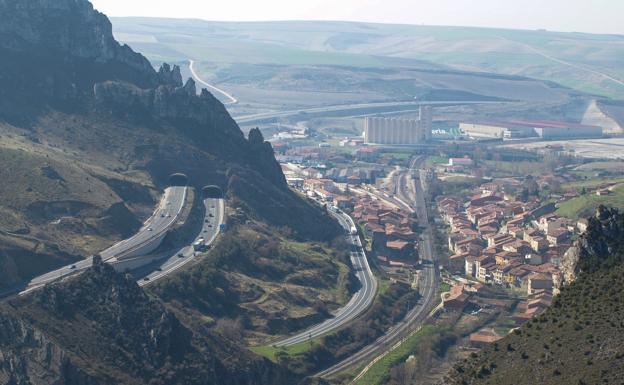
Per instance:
x=233, y=100
x=166, y=214
x=214, y=210
x=358, y=303
x=428, y=283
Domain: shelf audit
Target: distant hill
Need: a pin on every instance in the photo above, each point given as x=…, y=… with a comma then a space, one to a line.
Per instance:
x=584, y=62
x=577, y=341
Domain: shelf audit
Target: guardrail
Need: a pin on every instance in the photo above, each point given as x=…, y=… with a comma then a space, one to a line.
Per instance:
x=159, y=234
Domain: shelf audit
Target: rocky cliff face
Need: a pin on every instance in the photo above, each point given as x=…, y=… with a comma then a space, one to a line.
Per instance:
x=68, y=27
x=599, y=246
x=61, y=54
x=101, y=328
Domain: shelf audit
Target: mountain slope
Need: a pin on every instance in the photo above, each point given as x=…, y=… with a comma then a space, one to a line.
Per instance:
x=91, y=132
x=579, y=340
x=101, y=328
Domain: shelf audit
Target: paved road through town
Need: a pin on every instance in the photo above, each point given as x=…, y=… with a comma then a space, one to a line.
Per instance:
x=428, y=281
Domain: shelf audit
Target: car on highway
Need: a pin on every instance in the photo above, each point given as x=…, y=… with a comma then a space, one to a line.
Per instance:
x=72, y=267
x=211, y=215
x=180, y=255
x=146, y=279
x=150, y=229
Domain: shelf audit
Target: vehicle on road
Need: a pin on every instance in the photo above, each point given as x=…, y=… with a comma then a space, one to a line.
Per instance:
x=146, y=279
x=200, y=245
x=150, y=229
x=180, y=255
x=72, y=267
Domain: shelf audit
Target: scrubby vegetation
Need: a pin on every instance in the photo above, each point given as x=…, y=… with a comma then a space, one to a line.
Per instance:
x=270, y=283
x=388, y=309
x=101, y=328
x=579, y=339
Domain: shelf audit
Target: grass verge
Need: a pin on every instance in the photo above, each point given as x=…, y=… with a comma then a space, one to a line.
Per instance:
x=379, y=373
x=272, y=352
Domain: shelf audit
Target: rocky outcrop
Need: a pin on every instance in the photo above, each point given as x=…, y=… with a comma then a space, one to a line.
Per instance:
x=170, y=76
x=598, y=247
x=34, y=358
x=568, y=264
x=70, y=27
x=164, y=102
x=101, y=328
x=263, y=158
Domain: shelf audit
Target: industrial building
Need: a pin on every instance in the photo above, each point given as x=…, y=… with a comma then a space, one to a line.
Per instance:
x=559, y=130
x=399, y=131
x=526, y=129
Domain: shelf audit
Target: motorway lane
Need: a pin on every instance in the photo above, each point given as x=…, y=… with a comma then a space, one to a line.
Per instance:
x=428, y=282
x=167, y=213
x=171, y=203
x=247, y=119
x=180, y=257
x=414, y=317
x=360, y=300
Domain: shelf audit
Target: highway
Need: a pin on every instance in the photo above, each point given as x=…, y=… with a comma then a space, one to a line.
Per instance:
x=360, y=300
x=166, y=214
x=428, y=282
x=214, y=210
x=248, y=119
x=232, y=99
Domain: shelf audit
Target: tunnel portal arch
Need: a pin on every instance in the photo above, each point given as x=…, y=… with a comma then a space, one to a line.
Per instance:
x=212, y=191
x=178, y=179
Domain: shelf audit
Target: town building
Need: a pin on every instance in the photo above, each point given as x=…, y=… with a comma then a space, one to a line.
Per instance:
x=399, y=131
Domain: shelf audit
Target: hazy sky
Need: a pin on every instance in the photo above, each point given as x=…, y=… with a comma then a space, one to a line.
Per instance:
x=598, y=16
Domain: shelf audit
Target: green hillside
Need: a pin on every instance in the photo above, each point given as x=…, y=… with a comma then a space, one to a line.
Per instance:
x=586, y=62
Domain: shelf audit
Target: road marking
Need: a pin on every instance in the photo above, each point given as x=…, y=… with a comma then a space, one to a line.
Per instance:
x=358, y=303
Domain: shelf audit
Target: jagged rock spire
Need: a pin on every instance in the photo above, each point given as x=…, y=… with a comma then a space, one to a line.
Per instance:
x=170, y=76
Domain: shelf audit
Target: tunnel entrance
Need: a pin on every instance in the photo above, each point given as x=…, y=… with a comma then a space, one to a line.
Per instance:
x=178, y=180
x=214, y=192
